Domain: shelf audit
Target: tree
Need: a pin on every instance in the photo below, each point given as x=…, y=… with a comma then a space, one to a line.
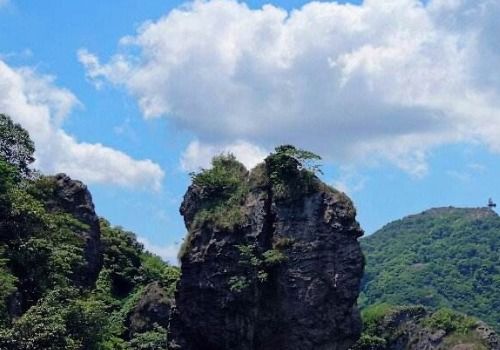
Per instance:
x=292, y=171
x=16, y=146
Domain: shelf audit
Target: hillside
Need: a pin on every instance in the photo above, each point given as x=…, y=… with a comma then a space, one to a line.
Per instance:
x=68, y=279
x=443, y=257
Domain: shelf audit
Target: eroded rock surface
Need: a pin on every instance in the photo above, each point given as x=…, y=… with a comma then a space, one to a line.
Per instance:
x=285, y=275
x=152, y=310
x=73, y=197
x=408, y=328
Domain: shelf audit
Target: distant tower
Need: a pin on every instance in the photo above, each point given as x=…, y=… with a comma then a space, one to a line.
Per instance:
x=491, y=205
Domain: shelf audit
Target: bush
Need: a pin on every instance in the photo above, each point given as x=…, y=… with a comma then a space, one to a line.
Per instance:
x=291, y=171
x=122, y=258
x=155, y=269
x=373, y=315
x=225, y=187
x=56, y=322
x=273, y=257
x=450, y=321
x=369, y=342
x=152, y=340
x=238, y=283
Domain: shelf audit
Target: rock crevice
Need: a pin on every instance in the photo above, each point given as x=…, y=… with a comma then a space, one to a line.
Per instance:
x=285, y=275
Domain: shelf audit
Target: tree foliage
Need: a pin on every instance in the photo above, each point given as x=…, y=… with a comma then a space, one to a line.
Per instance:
x=16, y=146
x=224, y=187
x=291, y=171
x=42, y=304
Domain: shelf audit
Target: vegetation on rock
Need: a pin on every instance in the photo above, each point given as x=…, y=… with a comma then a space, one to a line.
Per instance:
x=282, y=273
x=224, y=188
x=416, y=327
x=291, y=171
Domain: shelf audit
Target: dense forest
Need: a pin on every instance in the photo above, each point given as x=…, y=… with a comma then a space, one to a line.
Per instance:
x=68, y=279
x=444, y=257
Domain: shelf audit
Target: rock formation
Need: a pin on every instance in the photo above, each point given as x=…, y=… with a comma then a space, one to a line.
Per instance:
x=72, y=197
x=415, y=328
x=153, y=309
x=271, y=261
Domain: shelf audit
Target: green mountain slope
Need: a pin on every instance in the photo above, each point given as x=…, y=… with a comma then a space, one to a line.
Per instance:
x=68, y=279
x=443, y=257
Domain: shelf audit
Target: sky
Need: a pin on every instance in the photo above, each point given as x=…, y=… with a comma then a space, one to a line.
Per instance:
x=401, y=98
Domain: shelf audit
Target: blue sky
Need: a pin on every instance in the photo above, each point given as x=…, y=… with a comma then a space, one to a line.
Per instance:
x=399, y=97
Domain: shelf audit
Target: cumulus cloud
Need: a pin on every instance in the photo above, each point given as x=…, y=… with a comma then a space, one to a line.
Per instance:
x=198, y=155
x=34, y=101
x=167, y=252
x=385, y=80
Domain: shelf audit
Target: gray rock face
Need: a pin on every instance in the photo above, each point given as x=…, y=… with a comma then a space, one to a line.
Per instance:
x=152, y=309
x=286, y=277
x=405, y=329
x=73, y=197
x=488, y=335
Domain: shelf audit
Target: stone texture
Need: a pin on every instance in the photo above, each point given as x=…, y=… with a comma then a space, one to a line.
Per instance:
x=488, y=335
x=153, y=309
x=404, y=329
x=73, y=197
x=307, y=301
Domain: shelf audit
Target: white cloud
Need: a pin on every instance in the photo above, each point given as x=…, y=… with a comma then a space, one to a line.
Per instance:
x=459, y=175
x=34, y=101
x=476, y=168
x=198, y=155
x=167, y=252
x=388, y=79
x=349, y=181
x=4, y=3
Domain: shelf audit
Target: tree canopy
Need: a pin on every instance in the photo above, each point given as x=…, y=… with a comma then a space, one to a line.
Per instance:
x=16, y=146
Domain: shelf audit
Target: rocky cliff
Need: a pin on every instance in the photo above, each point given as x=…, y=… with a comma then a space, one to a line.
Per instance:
x=415, y=328
x=271, y=260
x=152, y=310
x=72, y=197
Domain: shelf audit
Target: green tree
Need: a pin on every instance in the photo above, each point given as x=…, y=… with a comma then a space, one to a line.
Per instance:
x=291, y=171
x=16, y=146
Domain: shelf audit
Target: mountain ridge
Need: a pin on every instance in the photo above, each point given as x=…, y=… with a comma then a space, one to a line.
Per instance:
x=441, y=257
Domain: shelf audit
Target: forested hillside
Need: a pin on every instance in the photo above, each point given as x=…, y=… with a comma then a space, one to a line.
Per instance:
x=444, y=257
x=68, y=279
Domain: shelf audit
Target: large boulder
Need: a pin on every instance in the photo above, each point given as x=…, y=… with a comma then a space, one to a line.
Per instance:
x=152, y=310
x=72, y=197
x=416, y=328
x=280, y=269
